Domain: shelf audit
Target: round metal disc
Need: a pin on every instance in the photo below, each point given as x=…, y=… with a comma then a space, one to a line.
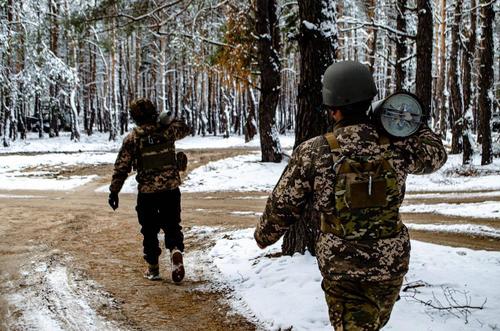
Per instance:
x=401, y=115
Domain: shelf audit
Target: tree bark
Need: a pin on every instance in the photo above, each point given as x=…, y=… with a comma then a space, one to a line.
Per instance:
x=424, y=54
x=467, y=61
x=270, y=67
x=486, y=93
x=441, y=79
x=372, y=34
x=456, y=112
x=251, y=124
x=400, y=44
x=317, y=42
x=316, y=54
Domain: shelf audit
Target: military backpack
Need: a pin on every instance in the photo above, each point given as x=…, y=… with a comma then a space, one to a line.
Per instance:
x=367, y=197
x=156, y=150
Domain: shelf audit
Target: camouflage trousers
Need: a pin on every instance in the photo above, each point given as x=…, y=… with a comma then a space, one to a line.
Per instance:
x=360, y=306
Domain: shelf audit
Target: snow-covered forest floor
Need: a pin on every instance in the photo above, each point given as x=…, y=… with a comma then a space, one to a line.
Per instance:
x=68, y=262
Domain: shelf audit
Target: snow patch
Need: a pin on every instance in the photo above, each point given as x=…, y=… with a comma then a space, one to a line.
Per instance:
x=239, y=173
x=57, y=300
x=486, y=209
x=286, y=291
x=468, y=229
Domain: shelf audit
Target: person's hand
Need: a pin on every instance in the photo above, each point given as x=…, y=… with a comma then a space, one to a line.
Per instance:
x=113, y=200
x=260, y=245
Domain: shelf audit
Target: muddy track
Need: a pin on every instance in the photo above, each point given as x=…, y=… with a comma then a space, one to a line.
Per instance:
x=100, y=251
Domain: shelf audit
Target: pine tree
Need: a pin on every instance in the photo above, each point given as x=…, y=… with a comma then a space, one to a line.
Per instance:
x=270, y=75
x=453, y=84
x=486, y=95
x=317, y=43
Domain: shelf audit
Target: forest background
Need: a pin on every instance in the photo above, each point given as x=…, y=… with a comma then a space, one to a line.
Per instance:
x=244, y=67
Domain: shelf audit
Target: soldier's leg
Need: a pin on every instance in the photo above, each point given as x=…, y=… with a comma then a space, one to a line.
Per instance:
x=170, y=214
x=360, y=306
x=147, y=212
x=386, y=294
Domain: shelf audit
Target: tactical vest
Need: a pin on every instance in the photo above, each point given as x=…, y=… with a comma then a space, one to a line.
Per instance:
x=367, y=197
x=156, y=151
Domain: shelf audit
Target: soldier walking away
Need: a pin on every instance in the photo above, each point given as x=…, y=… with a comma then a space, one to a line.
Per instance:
x=150, y=150
x=355, y=179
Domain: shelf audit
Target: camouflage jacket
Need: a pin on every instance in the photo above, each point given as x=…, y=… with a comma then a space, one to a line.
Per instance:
x=309, y=179
x=148, y=181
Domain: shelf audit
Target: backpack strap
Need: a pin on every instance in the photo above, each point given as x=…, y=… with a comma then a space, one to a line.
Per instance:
x=332, y=141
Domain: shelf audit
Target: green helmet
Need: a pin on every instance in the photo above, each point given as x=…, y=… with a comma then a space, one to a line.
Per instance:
x=346, y=83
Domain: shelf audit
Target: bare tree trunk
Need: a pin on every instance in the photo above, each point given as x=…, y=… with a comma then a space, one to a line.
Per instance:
x=486, y=93
x=453, y=77
x=400, y=44
x=251, y=124
x=424, y=53
x=441, y=79
x=270, y=76
x=316, y=54
x=372, y=34
x=467, y=61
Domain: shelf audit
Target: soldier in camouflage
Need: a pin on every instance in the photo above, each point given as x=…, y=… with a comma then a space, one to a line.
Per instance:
x=363, y=256
x=149, y=149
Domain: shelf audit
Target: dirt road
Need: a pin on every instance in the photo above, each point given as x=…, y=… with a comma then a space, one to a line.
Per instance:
x=67, y=258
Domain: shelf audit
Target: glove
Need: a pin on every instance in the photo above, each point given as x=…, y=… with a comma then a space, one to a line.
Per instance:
x=259, y=243
x=181, y=160
x=113, y=200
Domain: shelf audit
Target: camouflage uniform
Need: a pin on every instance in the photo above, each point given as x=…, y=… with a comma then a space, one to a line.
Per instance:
x=148, y=182
x=158, y=202
x=362, y=278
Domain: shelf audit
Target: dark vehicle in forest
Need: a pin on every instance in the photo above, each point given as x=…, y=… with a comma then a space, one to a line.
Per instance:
x=33, y=124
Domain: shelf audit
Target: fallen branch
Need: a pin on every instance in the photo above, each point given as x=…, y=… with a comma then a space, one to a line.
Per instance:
x=452, y=305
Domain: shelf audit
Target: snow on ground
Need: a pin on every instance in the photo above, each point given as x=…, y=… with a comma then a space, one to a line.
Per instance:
x=470, y=229
x=16, y=196
x=40, y=172
x=239, y=173
x=96, y=142
x=100, y=142
x=286, y=291
x=198, y=142
x=452, y=195
x=54, y=299
x=446, y=179
x=486, y=209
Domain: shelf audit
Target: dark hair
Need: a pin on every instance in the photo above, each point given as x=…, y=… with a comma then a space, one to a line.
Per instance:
x=356, y=111
x=143, y=111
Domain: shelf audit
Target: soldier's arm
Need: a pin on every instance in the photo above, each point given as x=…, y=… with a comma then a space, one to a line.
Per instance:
x=123, y=165
x=179, y=129
x=424, y=151
x=285, y=205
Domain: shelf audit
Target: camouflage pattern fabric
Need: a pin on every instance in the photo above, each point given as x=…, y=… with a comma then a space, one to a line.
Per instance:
x=151, y=180
x=309, y=179
x=367, y=197
x=356, y=306
x=155, y=150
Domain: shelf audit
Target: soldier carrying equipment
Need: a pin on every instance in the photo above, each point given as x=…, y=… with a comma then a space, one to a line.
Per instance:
x=400, y=115
x=353, y=181
x=150, y=149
